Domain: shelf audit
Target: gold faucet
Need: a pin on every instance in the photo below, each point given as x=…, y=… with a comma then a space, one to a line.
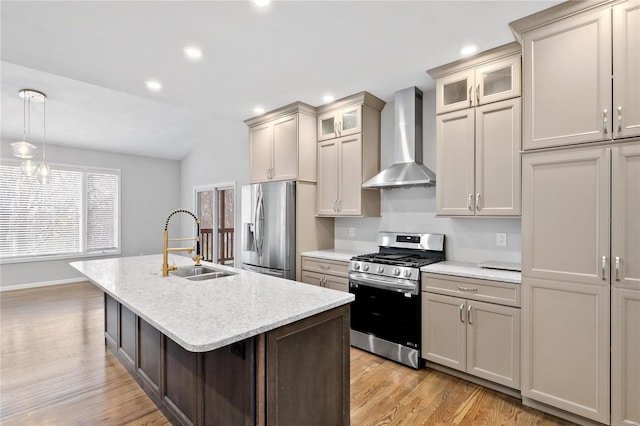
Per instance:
x=166, y=249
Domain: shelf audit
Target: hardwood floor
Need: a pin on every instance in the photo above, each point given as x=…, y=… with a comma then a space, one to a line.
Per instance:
x=55, y=370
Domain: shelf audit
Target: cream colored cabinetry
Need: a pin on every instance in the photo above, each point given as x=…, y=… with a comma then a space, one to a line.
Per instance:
x=282, y=144
x=478, y=149
x=567, y=73
x=342, y=122
x=462, y=332
x=325, y=273
x=348, y=156
x=478, y=85
x=625, y=292
x=567, y=272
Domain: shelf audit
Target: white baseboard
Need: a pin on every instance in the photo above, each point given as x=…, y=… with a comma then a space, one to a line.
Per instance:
x=42, y=284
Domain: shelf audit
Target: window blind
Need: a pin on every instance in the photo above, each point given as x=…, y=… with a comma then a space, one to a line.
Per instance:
x=75, y=214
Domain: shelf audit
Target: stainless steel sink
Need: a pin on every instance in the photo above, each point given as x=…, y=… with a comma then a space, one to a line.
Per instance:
x=199, y=273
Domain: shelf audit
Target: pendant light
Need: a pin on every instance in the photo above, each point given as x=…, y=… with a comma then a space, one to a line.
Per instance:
x=24, y=149
x=44, y=172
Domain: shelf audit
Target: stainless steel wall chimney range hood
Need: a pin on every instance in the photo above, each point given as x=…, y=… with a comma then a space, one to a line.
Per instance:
x=407, y=170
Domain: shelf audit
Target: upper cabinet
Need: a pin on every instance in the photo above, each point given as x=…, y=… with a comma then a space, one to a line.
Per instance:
x=282, y=144
x=348, y=153
x=478, y=135
x=342, y=122
x=569, y=53
x=477, y=85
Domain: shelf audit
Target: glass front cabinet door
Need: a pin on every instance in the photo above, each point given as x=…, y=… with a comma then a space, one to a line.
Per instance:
x=342, y=122
x=455, y=91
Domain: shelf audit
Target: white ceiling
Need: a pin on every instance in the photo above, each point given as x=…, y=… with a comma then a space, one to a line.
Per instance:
x=92, y=60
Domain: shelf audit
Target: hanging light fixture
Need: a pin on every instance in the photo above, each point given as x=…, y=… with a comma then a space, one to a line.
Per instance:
x=44, y=172
x=23, y=149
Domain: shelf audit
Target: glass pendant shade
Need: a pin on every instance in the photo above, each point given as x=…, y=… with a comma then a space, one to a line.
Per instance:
x=44, y=174
x=23, y=149
x=29, y=168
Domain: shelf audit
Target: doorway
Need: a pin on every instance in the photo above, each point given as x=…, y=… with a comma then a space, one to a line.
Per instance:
x=215, y=207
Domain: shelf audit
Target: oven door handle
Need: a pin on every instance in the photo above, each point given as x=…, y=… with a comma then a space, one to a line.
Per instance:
x=393, y=284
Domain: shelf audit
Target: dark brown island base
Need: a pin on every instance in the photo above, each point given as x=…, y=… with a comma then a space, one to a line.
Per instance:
x=297, y=374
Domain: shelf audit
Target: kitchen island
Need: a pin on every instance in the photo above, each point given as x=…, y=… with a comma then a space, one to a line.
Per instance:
x=241, y=349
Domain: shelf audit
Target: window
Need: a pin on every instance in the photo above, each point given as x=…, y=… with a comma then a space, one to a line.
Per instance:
x=77, y=214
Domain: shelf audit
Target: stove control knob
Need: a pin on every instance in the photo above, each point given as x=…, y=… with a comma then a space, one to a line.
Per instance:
x=365, y=267
x=380, y=269
x=356, y=266
x=407, y=273
x=396, y=271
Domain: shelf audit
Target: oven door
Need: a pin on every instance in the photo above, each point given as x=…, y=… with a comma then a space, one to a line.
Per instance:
x=387, y=308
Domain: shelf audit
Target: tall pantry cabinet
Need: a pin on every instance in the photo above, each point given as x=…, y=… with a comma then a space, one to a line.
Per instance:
x=581, y=210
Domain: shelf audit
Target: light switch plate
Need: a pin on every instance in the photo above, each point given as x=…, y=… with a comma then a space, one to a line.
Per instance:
x=501, y=239
x=352, y=232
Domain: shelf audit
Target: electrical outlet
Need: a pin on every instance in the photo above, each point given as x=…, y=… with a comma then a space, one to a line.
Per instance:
x=501, y=239
x=352, y=232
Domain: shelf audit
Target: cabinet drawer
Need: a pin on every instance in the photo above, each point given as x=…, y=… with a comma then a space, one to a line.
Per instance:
x=472, y=289
x=323, y=266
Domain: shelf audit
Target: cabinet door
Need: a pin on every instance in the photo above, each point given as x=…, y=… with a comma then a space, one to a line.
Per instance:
x=626, y=69
x=111, y=320
x=311, y=278
x=493, y=343
x=327, y=126
x=327, y=178
x=336, y=283
x=565, y=346
x=350, y=121
x=625, y=357
x=565, y=216
x=455, y=163
x=127, y=344
x=350, y=176
x=149, y=355
x=260, y=141
x=567, y=81
x=625, y=220
x=455, y=92
x=444, y=330
x=498, y=159
x=285, y=148
x=497, y=81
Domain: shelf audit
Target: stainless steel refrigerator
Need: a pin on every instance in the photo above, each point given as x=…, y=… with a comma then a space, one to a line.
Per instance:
x=268, y=228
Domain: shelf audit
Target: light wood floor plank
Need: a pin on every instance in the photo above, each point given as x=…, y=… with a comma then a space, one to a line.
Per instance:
x=55, y=370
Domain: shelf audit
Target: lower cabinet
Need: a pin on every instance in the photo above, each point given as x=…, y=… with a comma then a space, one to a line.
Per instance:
x=149, y=355
x=625, y=356
x=478, y=338
x=325, y=273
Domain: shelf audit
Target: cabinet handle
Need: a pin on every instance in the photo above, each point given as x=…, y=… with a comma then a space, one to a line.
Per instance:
x=469, y=201
x=619, y=119
x=325, y=267
x=461, y=308
x=604, y=267
x=469, y=289
x=478, y=202
x=470, y=97
x=617, y=268
x=335, y=206
x=478, y=95
x=469, y=315
x=335, y=127
x=604, y=121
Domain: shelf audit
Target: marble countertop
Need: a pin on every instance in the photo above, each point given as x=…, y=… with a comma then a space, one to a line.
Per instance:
x=206, y=315
x=471, y=270
x=333, y=254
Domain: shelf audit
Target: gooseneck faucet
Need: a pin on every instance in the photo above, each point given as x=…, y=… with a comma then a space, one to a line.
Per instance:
x=165, y=252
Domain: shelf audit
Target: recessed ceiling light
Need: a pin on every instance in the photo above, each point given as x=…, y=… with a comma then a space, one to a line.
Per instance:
x=154, y=85
x=469, y=49
x=328, y=98
x=258, y=110
x=262, y=3
x=192, y=52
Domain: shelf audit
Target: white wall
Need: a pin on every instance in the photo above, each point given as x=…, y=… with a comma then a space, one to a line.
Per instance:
x=223, y=158
x=413, y=209
x=150, y=189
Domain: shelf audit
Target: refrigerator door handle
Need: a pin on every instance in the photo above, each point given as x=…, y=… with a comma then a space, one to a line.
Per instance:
x=259, y=223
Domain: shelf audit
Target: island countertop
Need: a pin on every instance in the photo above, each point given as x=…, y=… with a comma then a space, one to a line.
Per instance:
x=206, y=315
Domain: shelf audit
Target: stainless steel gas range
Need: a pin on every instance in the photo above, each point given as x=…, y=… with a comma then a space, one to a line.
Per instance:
x=385, y=317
